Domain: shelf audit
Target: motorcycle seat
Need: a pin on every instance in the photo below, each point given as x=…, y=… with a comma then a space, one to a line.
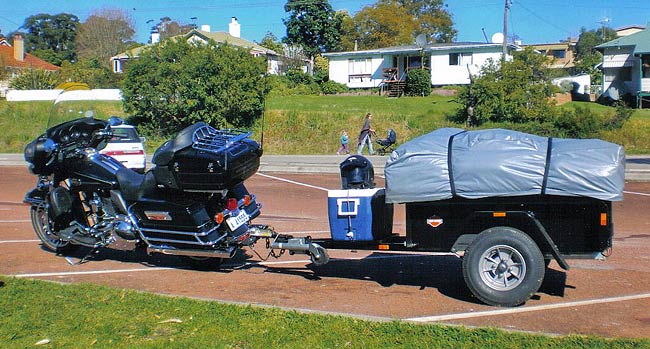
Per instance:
x=134, y=185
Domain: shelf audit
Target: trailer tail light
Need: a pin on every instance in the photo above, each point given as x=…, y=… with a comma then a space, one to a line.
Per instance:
x=603, y=219
x=247, y=200
x=498, y=214
x=231, y=205
x=218, y=218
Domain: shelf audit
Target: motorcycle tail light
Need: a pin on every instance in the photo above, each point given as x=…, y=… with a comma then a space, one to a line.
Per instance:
x=231, y=205
x=218, y=218
x=247, y=200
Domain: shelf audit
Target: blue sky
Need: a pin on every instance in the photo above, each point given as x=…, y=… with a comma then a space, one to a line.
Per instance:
x=533, y=21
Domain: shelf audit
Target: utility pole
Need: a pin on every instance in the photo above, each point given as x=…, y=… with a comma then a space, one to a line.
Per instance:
x=505, y=29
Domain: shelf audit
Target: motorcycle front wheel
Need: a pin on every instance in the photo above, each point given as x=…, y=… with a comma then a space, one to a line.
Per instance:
x=43, y=228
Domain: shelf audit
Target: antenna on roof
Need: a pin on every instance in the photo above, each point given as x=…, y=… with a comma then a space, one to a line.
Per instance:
x=421, y=40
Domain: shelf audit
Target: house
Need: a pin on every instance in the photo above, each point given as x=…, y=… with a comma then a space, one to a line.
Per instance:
x=276, y=63
x=626, y=67
x=449, y=64
x=561, y=54
x=629, y=30
x=14, y=59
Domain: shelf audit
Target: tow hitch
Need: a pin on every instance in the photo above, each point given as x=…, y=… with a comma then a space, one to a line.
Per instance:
x=278, y=244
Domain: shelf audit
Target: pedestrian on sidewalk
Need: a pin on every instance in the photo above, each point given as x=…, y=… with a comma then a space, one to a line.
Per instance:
x=344, y=144
x=365, y=137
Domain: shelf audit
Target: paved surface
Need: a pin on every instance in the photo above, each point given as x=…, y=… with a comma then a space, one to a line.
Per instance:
x=609, y=298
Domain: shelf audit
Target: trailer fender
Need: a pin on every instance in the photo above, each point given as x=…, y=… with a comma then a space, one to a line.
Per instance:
x=498, y=218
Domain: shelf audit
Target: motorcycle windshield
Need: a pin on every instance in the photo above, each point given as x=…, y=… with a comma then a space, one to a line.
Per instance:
x=70, y=105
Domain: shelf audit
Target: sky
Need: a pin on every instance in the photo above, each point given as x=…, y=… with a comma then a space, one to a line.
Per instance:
x=531, y=21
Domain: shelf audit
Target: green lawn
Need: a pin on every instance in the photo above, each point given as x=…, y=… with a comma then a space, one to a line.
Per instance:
x=309, y=124
x=90, y=316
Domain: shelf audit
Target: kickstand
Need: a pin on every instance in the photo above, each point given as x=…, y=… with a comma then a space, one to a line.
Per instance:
x=84, y=259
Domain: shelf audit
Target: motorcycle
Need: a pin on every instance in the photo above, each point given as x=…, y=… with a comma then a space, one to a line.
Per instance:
x=191, y=203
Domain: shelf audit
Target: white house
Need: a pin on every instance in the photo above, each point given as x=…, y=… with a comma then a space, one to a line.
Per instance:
x=449, y=63
x=626, y=66
x=277, y=63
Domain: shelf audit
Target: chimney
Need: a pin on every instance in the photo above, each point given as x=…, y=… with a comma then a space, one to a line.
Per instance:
x=233, y=28
x=155, y=37
x=205, y=28
x=19, y=48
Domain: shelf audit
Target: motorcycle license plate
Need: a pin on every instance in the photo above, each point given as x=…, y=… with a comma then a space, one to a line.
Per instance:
x=237, y=221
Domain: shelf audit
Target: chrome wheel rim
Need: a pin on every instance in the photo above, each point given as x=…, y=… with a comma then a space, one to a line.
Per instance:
x=502, y=268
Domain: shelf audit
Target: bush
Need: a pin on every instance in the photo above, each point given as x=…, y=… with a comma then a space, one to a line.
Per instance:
x=35, y=79
x=332, y=87
x=418, y=82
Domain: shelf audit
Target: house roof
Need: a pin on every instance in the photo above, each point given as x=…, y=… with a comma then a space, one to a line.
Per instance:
x=30, y=62
x=219, y=37
x=406, y=49
x=640, y=41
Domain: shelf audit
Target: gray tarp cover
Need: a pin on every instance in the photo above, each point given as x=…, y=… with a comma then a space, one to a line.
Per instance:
x=452, y=162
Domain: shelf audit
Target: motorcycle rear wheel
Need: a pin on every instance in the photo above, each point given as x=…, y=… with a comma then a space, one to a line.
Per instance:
x=204, y=263
x=43, y=229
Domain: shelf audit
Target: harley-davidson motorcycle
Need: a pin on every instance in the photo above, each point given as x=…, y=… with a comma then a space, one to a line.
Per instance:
x=191, y=203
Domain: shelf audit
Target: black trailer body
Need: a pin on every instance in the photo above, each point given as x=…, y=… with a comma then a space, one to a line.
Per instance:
x=577, y=227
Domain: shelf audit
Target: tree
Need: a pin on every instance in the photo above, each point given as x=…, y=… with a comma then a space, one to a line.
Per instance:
x=51, y=38
x=105, y=33
x=168, y=28
x=313, y=25
x=90, y=71
x=384, y=24
x=587, y=58
x=271, y=42
x=514, y=91
x=430, y=18
x=349, y=31
x=175, y=83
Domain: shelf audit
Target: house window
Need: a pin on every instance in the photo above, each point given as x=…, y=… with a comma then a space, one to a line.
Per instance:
x=359, y=69
x=456, y=58
x=625, y=74
x=645, y=66
x=116, y=66
x=560, y=54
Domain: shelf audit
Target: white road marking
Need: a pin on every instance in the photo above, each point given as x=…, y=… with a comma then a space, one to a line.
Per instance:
x=15, y=221
x=459, y=316
x=92, y=272
x=635, y=193
x=292, y=182
x=17, y=241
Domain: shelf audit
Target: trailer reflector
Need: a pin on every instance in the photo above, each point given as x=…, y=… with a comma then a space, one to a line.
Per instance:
x=383, y=247
x=603, y=219
x=498, y=214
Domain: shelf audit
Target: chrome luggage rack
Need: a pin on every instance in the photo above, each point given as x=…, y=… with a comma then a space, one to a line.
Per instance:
x=209, y=139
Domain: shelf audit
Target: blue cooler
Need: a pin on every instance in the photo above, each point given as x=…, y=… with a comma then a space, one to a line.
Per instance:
x=359, y=214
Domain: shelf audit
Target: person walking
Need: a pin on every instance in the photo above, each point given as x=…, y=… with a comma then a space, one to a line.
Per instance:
x=365, y=137
x=344, y=144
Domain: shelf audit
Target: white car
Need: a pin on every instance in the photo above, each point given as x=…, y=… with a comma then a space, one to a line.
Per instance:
x=127, y=147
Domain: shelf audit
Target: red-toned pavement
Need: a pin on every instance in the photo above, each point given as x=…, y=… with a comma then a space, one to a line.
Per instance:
x=609, y=298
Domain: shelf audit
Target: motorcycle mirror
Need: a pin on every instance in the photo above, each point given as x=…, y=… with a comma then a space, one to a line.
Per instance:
x=115, y=121
x=89, y=114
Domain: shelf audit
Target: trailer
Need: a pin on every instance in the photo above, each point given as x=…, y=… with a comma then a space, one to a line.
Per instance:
x=506, y=202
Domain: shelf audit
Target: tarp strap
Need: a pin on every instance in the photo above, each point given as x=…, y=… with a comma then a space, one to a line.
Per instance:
x=449, y=167
x=547, y=165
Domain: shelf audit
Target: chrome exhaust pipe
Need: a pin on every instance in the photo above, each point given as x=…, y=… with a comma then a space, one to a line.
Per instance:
x=228, y=252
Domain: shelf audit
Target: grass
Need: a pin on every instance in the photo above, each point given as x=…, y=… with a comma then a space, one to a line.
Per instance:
x=309, y=124
x=84, y=315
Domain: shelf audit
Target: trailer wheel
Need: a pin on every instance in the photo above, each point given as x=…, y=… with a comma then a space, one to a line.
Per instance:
x=503, y=266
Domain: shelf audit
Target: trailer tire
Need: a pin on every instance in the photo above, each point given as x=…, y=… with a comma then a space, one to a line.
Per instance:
x=503, y=267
